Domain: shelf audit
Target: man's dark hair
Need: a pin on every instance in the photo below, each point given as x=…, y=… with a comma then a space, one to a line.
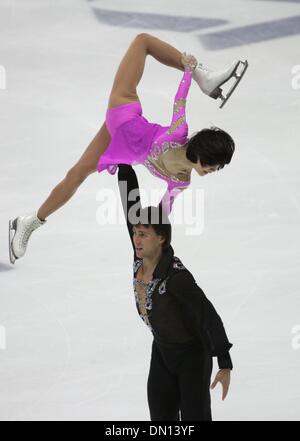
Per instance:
x=159, y=221
x=211, y=146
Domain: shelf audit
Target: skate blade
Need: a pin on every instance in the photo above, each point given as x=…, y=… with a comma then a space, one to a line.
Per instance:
x=11, y=230
x=238, y=77
x=217, y=92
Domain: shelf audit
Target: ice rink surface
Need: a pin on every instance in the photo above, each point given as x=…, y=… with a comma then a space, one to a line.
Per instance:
x=72, y=345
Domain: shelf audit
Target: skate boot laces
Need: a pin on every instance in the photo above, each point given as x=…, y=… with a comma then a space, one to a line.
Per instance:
x=27, y=233
x=202, y=67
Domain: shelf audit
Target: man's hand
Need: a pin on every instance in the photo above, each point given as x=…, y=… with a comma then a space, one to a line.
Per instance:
x=223, y=376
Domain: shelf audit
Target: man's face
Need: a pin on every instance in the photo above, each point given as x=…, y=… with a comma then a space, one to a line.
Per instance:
x=202, y=170
x=146, y=241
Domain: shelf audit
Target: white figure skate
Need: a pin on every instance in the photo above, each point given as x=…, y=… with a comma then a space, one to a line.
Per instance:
x=210, y=81
x=20, y=230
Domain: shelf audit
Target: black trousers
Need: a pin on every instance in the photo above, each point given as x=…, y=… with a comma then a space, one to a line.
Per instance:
x=179, y=381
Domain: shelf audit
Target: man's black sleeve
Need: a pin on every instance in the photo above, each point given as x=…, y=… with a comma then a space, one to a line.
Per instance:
x=130, y=196
x=201, y=316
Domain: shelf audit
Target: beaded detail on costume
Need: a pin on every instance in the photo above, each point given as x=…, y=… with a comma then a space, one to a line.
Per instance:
x=176, y=124
x=163, y=287
x=143, y=291
x=143, y=296
x=151, y=162
x=178, y=104
x=136, y=265
x=177, y=264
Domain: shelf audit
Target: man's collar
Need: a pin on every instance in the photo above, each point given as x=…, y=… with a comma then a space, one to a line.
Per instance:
x=163, y=266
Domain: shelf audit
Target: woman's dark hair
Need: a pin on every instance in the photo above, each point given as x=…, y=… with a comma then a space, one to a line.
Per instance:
x=211, y=147
x=159, y=221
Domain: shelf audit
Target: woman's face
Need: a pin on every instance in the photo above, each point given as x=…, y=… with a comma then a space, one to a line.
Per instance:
x=202, y=170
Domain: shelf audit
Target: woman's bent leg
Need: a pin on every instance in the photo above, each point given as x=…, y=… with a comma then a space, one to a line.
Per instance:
x=132, y=65
x=86, y=165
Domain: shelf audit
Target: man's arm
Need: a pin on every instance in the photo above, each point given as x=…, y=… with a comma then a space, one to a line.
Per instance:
x=130, y=196
x=202, y=316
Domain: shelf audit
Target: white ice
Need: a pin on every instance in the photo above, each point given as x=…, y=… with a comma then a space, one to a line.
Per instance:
x=72, y=346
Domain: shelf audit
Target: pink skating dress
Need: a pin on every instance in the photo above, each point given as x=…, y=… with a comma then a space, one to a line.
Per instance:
x=134, y=140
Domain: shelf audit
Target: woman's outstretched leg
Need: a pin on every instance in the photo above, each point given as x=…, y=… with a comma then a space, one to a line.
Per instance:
x=87, y=164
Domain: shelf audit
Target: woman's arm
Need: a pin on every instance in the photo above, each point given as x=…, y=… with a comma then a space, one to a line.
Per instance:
x=177, y=132
x=130, y=196
x=178, y=117
x=178, y=129
x=179, y=114
x=168, y=198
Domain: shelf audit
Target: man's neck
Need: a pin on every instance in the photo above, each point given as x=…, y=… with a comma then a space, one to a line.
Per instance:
x=150, y=263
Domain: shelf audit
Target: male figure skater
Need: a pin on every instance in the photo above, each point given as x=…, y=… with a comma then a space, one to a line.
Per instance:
x=187, y=331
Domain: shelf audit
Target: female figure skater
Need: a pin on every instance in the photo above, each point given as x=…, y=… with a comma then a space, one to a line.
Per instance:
x=127, y=137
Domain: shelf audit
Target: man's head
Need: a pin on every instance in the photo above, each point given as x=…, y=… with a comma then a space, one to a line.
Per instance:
x=152, y=234
x=210, y=149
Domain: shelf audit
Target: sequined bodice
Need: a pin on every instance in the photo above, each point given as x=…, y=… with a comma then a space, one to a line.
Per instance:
x=153, y=161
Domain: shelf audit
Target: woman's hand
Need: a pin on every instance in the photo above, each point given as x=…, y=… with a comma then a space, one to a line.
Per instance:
x=223, y=377
x=189, y=61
